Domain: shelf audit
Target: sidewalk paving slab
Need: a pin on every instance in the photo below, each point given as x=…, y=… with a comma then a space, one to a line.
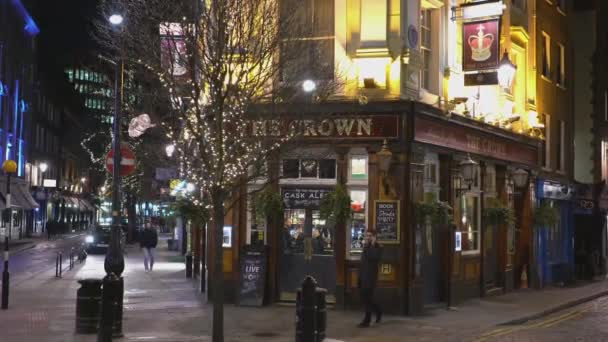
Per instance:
x=165, y=306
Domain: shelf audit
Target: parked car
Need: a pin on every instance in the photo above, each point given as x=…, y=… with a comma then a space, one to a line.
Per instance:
x=98, y=239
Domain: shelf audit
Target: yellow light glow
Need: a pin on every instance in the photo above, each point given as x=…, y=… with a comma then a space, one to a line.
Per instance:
x=533, y=120
x=373, y=21
x=375, y=68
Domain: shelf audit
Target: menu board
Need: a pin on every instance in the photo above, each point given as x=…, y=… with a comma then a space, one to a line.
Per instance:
x=252, y=277
x=386, y=220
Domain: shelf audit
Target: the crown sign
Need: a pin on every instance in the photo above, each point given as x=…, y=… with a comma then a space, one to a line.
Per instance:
x=480, y=45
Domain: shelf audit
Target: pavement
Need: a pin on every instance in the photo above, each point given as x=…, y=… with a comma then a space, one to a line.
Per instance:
x=163, y=305
x=18, y=245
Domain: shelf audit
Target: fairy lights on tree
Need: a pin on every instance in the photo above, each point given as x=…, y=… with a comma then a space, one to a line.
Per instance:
x=213, y=60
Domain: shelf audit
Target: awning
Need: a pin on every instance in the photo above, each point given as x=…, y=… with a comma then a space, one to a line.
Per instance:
x=86, y=205
x=20, y=197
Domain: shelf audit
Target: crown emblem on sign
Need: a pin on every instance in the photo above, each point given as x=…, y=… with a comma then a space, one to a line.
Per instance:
x=480, y=44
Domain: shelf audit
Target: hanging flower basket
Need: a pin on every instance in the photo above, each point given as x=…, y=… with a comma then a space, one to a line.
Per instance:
x=336, y=207
x=545, y=215
x=438, y=212
x=269, y=204
x=496, y=213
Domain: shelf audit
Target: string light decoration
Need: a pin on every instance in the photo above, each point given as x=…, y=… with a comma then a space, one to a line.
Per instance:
x=214, y=65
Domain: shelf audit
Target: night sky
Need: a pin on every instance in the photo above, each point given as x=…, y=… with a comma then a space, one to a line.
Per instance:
x=65, y=27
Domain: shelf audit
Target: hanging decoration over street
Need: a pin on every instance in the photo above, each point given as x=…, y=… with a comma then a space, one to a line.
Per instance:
x=139, y=125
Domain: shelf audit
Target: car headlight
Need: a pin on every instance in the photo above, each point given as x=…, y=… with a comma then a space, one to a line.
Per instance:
x=89, y=239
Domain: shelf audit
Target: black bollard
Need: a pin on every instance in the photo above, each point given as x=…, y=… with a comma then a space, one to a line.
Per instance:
x=5, y=276
x=305, y=311
x=109, y=295
x=117, y=326
x=189, y=266
x=60, y=264
x=57, y=266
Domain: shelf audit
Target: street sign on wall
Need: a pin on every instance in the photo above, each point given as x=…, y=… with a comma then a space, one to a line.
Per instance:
x=127, y=160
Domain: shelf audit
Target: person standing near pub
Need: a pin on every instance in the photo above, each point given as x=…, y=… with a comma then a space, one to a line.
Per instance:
x=368, y=277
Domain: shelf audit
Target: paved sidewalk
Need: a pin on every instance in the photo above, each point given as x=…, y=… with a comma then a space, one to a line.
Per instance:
x=165, y=306
x=19, y=245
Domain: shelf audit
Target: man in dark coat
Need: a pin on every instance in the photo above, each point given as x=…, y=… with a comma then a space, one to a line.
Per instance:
x=368, y=277
x=148, y=241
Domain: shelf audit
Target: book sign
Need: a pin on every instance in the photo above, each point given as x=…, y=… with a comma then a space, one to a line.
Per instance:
x=252, y=277
x=386, y=219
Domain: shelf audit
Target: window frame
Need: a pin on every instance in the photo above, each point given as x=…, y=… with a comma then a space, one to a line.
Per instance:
x=350, y=253
x=426, y=51
x=546, y=56
x=561, y=146
x=561, y=73
x=365, y=157
x=547, y=150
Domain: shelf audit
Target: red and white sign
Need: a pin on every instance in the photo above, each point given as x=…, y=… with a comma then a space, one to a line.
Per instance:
x=127, y=160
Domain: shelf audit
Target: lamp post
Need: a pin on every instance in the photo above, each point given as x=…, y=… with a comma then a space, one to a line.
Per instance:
x=385, y=157
x=83, y=180
x=9, y=167
x=468, y=171
x=520, y=178
x=114, y=263
x=43, y=167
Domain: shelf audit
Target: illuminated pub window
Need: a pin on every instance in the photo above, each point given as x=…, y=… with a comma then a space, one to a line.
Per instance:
x=561, y=66
x=373, y=23
x=309, y=168
x=358, y=223
x=358, y=167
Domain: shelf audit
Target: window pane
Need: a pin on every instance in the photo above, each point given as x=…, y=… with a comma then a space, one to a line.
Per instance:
x=309, y=168
x=291, y=168
x=357, y=224
x=358, y=167
x=327, y=168
x=322, y=236
x=469, y=223
x=293, y=231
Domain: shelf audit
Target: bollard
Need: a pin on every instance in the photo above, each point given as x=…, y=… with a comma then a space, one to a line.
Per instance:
x=321, y=314
x=117, y=326
x=109, y=295
x=5, y=276
x=305, y=311
x=189, y=266
x=71, y=258
x=57, y=266
x=60, y=264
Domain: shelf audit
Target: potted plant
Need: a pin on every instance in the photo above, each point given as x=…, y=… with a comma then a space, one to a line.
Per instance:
x=545, y=215
x=336, y=206
x=435, y=212
x=496, y=213
x=269, y=205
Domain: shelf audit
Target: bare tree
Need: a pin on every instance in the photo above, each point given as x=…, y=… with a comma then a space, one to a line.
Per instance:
x=214, y=59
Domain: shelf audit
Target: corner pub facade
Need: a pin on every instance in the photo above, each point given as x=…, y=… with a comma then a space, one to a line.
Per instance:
x=430, y=117
x=420, y=264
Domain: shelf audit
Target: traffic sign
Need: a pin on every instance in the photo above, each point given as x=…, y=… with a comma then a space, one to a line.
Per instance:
x=127, y=160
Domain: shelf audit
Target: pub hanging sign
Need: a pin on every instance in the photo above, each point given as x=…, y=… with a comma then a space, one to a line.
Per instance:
x=481, y=45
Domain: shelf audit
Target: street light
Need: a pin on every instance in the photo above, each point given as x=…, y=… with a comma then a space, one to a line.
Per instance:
x=169, y=149
x=309, y=86
x=43, y=167
x=506, y=71
x=385, y=157
x=115, y=19
x=520, y=178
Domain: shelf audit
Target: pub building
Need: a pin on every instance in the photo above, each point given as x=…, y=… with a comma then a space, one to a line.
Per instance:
x=448, y=115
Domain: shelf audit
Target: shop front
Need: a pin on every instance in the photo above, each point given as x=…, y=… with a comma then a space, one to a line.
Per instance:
x=554, y=238
x=479, y=171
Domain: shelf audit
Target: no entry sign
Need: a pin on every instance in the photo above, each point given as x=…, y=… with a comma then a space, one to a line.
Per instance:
x=127, y=160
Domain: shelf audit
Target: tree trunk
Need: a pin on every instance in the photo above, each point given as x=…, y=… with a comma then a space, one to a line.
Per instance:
x=218, y=274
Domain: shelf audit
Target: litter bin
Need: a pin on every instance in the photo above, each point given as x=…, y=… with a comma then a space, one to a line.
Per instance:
x=88, y=306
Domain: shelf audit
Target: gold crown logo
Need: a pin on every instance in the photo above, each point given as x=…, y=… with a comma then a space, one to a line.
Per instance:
x=480, y=45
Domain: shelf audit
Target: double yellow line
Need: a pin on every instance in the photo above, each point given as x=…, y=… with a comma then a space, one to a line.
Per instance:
x=540, y=325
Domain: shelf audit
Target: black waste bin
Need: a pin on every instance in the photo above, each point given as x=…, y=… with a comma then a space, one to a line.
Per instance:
x=88, y=306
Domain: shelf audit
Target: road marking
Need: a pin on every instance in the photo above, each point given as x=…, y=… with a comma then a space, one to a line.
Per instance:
x=541, y=325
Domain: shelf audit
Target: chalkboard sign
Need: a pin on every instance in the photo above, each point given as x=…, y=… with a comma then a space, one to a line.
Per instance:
x=386, y=219
x=252, y=277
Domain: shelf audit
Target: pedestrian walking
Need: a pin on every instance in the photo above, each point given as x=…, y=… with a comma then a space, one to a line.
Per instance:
x=148, y=242
x=368, y=277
